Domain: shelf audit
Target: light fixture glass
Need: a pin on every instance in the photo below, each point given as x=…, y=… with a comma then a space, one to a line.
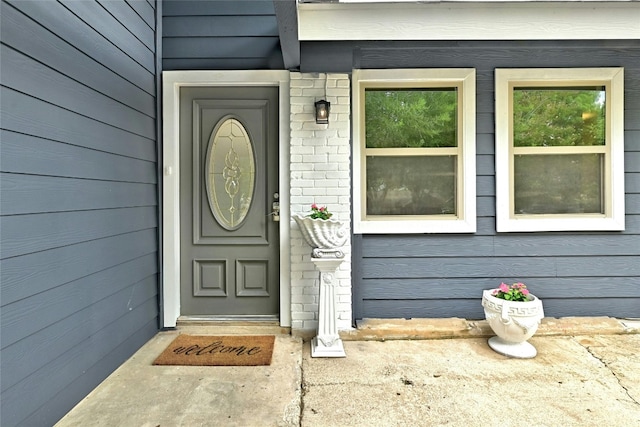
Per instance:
x=322, y=112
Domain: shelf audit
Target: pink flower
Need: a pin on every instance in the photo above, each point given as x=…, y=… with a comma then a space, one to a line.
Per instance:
x=314, y=206
x=516, y=292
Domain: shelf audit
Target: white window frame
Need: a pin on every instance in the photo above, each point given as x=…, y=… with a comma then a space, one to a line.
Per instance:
x=465, y=220
x=613, y=218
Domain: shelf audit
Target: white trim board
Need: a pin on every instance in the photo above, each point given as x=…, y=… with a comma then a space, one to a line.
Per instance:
x=171, y=83
x=492, y=20
x=613, y=218
x=471, y=1
x=464, y=79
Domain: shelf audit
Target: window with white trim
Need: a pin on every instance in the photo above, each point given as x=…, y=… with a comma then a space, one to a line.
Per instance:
x=559, y=149
x=414, y=150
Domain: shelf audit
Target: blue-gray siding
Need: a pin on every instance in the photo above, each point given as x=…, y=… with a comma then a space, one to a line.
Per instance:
x=78, y=198
x=220, y=35
x=576, y=274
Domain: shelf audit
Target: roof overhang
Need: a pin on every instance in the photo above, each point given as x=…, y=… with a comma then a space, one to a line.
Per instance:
x=468, y=20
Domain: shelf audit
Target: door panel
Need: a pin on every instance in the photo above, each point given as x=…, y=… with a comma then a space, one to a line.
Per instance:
x=229, y=244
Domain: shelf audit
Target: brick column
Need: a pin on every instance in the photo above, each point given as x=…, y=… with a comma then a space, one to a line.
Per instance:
x=320, y=165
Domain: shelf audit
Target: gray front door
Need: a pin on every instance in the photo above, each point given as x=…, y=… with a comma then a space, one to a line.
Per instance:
x=229, y=243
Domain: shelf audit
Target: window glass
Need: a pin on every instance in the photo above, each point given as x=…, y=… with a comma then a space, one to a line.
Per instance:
x=558, y=184
x=411, y=118
x=545, y=117
x=418, y=185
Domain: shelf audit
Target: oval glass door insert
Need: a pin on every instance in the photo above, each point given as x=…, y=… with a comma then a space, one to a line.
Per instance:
x=230, y=173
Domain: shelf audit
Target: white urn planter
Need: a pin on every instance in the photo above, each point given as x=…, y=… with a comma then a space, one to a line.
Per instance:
x=514, y=322
x=326, y=237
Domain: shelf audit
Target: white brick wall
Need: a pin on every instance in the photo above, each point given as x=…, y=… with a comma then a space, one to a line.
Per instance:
x=320, y=163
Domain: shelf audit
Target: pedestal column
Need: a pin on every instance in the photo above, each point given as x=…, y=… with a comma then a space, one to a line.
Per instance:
x=327, y=343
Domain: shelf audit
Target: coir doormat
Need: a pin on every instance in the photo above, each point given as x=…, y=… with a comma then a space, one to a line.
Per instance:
x=230, y=350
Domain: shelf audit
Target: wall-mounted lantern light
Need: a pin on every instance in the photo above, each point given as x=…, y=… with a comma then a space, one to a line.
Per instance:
x=322, y=112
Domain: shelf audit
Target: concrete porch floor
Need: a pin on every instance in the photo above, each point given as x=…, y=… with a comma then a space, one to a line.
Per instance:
x=587, y=373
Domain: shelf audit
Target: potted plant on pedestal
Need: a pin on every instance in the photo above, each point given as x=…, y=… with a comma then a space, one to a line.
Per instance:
x=513, y=314
x=327, y=237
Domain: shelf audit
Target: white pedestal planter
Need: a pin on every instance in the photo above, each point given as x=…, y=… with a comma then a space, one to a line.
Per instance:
x=326, y=237
x=327, y=343
x=514, y=322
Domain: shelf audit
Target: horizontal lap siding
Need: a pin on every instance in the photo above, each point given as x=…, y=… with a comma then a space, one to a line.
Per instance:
x=78, y=198
x=218, y=35
x=576, y=274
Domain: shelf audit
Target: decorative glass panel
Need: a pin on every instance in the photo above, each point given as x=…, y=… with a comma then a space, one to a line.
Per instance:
x=230, y=173
x=559, y=184
x=403, y=118
x=415, y=185
x=549, y=117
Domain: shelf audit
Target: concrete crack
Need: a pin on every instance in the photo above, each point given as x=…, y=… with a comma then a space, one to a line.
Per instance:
x=303, y=391
x=615, y=375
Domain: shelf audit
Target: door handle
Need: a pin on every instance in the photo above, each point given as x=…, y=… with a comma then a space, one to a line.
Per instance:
x=275, y=211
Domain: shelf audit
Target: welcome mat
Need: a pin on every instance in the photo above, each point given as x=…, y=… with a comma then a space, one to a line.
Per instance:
x=207, y=350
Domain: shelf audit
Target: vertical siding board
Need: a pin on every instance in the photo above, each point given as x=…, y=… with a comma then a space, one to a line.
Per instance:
x=60, y=21
x=408, y=276
x=78, y=199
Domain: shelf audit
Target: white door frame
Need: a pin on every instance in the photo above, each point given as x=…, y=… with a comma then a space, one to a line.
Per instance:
x=171, y=83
